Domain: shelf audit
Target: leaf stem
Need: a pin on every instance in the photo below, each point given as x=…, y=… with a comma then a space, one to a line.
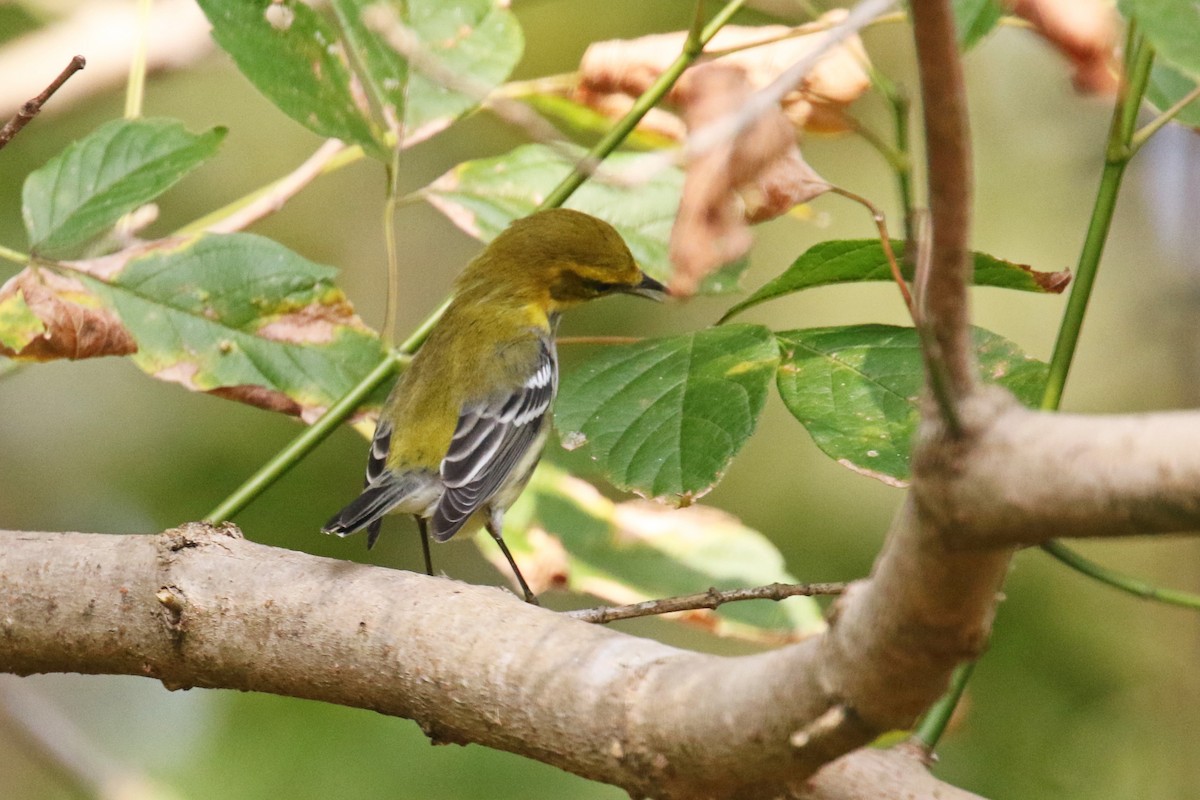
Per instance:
x=1152, y=127
x=135, y=90
x=900, y=104
x=392, y=300
x=886, y=242
x=899, y=156
x=14, y=256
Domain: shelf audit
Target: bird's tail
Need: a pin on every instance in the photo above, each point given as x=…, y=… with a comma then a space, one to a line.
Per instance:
x=367, y=510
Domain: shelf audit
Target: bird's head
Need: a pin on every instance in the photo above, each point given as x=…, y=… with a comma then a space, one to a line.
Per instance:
x=572, y=256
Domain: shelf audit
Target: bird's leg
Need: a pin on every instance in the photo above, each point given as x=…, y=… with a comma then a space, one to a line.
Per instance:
x=494, y=526
x=423, y=526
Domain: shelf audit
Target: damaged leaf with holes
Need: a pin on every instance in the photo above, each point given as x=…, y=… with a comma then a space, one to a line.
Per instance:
x=241, y=317
x=855, y=389
x=361, y=70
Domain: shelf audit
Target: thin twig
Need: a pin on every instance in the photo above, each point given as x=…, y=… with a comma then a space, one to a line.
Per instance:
x=886, y=241
x=709, y=599
x=30, y=109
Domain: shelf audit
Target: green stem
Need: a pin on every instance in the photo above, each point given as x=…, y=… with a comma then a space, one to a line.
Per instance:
x=392, y=300
x=291, y=455
x=1152, y=127
x=1117, y=158
x=1122, y=144
x=931, y=727
x=1125, y=583
x=15, y=256
x=312, y=436
x=691, y=51
x=904, y=184
x=888, y=153
x=135, y=90
x=299, y=447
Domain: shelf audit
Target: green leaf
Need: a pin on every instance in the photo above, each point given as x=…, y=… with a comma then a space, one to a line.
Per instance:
x=1172, y=26
x=482, y=197
x=245, y=318
x=294, y=56
x=565, y=533
x=974, y=19
x=477, y=42
x=84, y=190
x=1167, y=87
x=315, y=68
x=665, y=417
x=855, y=389
x=853, y=260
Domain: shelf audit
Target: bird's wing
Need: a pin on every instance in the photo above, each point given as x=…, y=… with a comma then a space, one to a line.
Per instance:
x=489, y=441
x=381, y=442
x=376, y=466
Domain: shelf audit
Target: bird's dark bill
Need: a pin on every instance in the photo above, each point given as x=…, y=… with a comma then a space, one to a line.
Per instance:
x=649, y=288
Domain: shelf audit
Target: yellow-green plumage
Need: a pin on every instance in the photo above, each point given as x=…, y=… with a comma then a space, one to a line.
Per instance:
x=466, y=422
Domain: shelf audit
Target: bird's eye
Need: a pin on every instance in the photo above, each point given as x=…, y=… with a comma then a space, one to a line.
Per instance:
x=599, y=287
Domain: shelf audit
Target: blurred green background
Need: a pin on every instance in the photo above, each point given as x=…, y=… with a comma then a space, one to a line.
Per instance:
x=1084, y=692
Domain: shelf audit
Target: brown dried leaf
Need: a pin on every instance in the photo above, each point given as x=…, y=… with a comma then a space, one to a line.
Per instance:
x=1085, y=31
x=628, y=67
x=755, y=177
x=74, y=324
x=262, y=397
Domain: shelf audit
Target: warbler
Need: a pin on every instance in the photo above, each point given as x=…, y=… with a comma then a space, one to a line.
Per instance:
x=466, y=423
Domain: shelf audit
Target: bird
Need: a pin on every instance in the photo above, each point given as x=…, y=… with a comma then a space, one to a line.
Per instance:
x=467, y=421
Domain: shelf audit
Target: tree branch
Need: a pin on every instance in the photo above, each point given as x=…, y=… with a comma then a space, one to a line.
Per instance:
x=1032, y=476
x=945, y=311
x=30, y=109
x=200, y=606
x=868, y=775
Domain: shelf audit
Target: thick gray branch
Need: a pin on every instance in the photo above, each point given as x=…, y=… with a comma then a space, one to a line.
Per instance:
x=1031, y=476
x=203, y=607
